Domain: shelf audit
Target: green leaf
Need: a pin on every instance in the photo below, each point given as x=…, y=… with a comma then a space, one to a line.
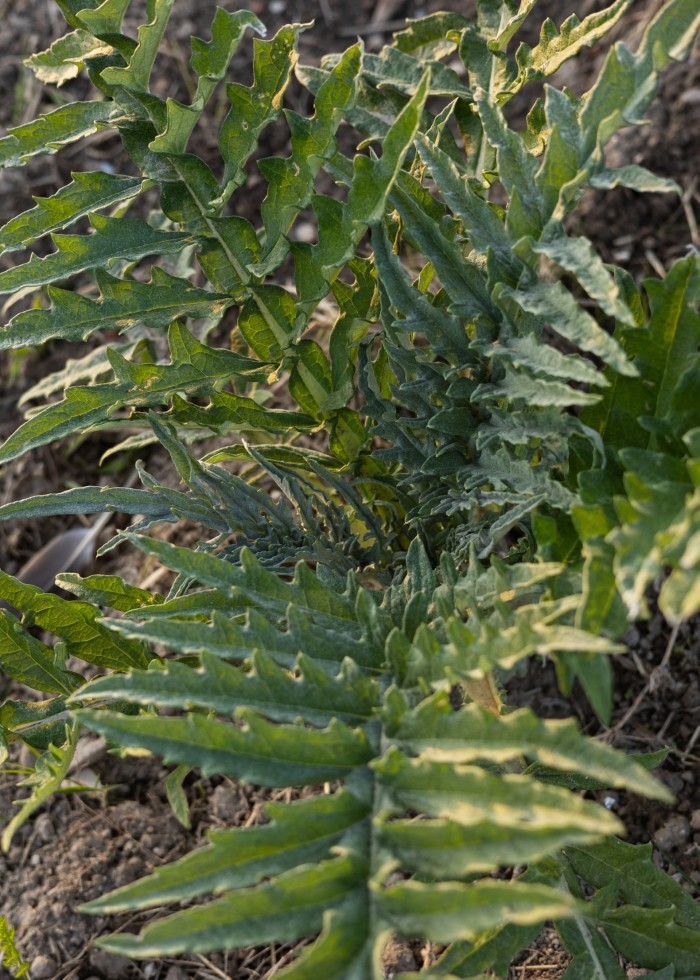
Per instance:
x=481, y=817
x=298, y=833
x=49, y=772
x=177, y=798
x=312, y=695
x=101, y=17
x=86, y=500
x=577, y=255
x=394, y=69
x=75, y=623
x=342, y=950
x=451, y=911
x=373, y=179
x=252, y=109
x=481, y=221
x=66, y=57
x=555, y=304
x=31, y=662
x=49, y=133
x=652, y=938
x=443, y=735
x=627, y=83
x=124, y=238
x=87, y=192
x=108, y=590
x=125, y=304
x=557, y=46
x=636, y=178
x=257, y=752
x=226, y=638
x=11, y=956
x=137, y=73
x=291, y=180
x=630, y=870
x=210, y=61
x=256, y=587
x=593, y=958
x=495, y=948
x=289, y=906
x=196, y=368
x=267, y=322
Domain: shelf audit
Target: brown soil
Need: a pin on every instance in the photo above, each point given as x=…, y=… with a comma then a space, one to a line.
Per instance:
x=82, y=845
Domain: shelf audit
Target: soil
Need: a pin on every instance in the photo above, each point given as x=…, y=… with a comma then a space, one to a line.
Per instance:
x=83, y=844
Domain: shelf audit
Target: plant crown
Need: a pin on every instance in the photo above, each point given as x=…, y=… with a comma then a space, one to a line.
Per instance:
x=491, y=452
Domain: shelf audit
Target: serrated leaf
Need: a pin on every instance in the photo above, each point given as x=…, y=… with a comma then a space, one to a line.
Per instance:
x=210, y=60
x=593, y=958
x=482, y=224
x=255, y=586
x=373, y=179
x=298, y=833
x=659, y=350
x=469, y=795
x=125, y=304
x=557, y=46
x=630, y=869
x=443, y=849
x=444, y=735
x=312, y=694
x=495, y=948
x=88, y=370
x=124, y=238
x=137, y=73
x=291, y=180
x=258, y=752
x=254, y=108
x=87, y=192
x=636, y=178
x=66, y=57
x=557, y=306
x=577, y=255
x=108, y=590
x=450, y=911
x=651, y=938
x=226, y=638
x=285, y=908
x=196, y=368
x=627, y=83
x=31, y=662
x=49, y=133
x=75, y=623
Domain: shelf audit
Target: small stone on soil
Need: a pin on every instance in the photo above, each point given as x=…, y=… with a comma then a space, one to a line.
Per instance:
x=674, y=833
x=44, y=967
x=111, y=965
x=175, y=973
x=44, y=828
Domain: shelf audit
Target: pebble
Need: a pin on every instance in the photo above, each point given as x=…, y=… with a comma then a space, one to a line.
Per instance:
x=225, y=801
x=674, y=833
x=111, y=965
x=175, y=973
x=44, y=828
x=44, y=968
x=695, y=819
x=23, y=918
